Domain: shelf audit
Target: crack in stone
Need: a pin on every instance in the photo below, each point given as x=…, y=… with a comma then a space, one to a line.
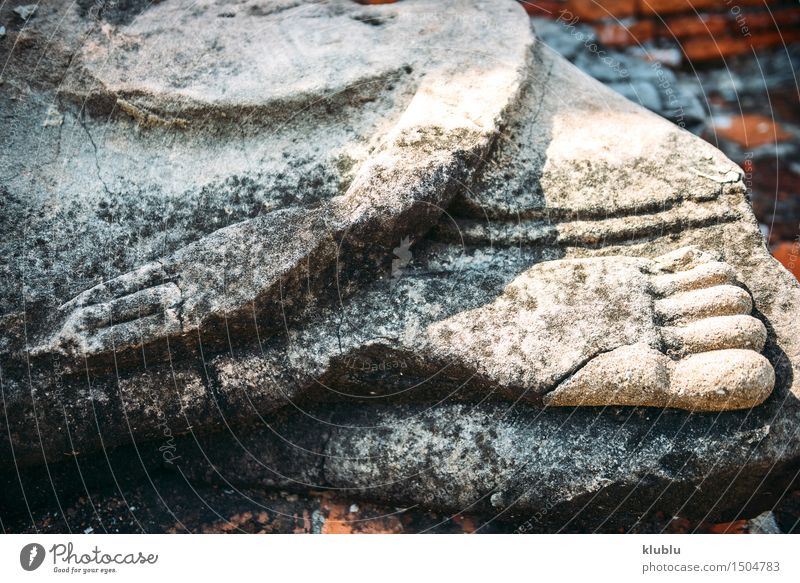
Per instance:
x=82, y=123
x=575, y=370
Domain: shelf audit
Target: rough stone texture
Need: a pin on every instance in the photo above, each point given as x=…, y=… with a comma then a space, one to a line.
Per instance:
x=236, y=277
x=764, y=524
x=303, y=255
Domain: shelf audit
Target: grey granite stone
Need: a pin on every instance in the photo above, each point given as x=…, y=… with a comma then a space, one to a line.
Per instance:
x=391, y=270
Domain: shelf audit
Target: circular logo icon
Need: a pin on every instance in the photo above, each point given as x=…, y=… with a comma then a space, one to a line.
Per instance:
x=31, y=556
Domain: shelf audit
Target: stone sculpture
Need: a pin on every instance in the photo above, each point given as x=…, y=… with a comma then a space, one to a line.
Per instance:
x=240, y=210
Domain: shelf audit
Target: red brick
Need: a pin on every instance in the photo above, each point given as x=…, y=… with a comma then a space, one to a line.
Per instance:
x=618, y=35
x=788, y=253
x=752, y=130
x=677, y=6
x=784, y=103
x=708, y=49
x=762, y=20
x=789, y=17
x=735, y=527
x=591, y=10
x=694, y=25
x=772, y=38
x=711, y=49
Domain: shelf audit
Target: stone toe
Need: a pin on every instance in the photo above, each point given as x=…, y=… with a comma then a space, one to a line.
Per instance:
x=703, y=276
x=721, y=380
x=716, y=333
x=720, y=300
x=683, y=259
x=637, y=375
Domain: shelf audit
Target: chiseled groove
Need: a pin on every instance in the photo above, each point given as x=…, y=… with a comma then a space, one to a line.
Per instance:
x=584, y=233
x=470, y=209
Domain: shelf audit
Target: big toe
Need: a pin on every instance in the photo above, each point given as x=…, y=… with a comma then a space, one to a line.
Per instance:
x=721, y=380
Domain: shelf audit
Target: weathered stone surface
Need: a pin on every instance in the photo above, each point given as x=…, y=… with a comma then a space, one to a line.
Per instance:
x=236, y=277
x=438, y=241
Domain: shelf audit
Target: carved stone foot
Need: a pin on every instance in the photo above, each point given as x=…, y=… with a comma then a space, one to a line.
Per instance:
x=671, y=332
